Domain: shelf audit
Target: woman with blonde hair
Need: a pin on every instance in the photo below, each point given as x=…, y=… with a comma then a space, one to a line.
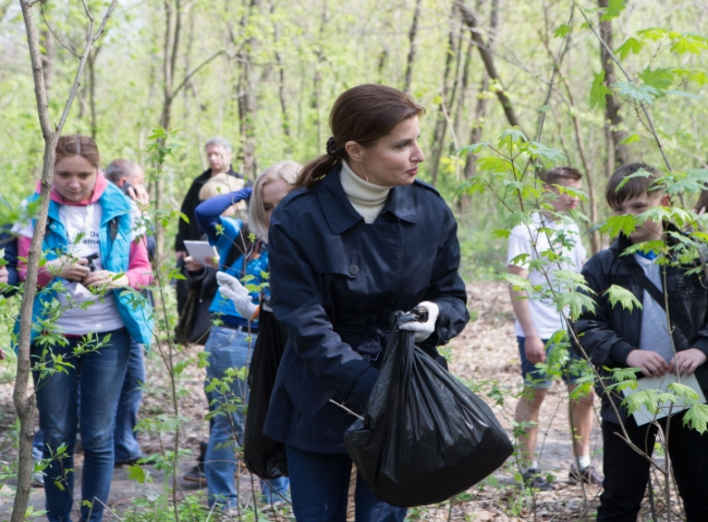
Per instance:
x=230, y=343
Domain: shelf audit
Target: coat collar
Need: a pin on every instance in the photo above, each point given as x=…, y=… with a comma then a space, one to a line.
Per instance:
x=341, y=215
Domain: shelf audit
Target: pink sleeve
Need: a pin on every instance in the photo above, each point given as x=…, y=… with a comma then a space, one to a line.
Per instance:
x=139, y=269
x=44, y=277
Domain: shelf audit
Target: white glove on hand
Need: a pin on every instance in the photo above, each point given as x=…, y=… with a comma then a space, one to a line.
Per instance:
x=232, y=288
x=423, y=330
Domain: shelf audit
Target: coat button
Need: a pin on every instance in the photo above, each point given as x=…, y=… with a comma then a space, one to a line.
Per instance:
x=353, y=270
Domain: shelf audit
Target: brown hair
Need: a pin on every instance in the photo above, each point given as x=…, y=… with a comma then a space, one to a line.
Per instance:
x=633, y=187
x=77, y=145
x=556, y=174
x=363, y=114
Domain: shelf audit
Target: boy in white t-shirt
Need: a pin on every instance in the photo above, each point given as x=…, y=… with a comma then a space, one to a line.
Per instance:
x=537, y=319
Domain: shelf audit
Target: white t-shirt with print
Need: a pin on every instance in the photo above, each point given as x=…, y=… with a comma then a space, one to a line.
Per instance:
x=82, y=225
x=546, y=318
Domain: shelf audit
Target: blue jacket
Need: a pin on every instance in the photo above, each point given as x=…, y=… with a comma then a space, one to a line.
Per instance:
x=335, y=280
x=134, y=310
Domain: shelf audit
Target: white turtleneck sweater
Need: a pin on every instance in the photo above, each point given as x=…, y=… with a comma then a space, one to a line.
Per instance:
x=367, y=198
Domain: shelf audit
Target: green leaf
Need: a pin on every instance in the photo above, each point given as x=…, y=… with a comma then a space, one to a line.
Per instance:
x=687, y=394
x=653, y=33
x=697, y=417
x=632, y=138
x=660, y=78
x=510, y=137
x=617, y=294
x=139, y=474
x=494, y=164
x=562, y=31
x=689, y=44
x=614, y=8
x=641, y=93
x=616, y=224
x=539, y=151
x=632, y=45
x=599, y=90
x=475, y=148
x=517, y=282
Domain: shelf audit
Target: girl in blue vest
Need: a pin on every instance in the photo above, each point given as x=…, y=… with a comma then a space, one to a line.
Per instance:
x=95, y=254
x=230, y=343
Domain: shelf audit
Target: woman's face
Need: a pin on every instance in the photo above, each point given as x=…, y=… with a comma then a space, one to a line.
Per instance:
x=393, y=160
x=75, y=178
x=273, y=192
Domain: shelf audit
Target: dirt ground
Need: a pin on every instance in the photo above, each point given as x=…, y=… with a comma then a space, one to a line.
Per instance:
x=485, y=351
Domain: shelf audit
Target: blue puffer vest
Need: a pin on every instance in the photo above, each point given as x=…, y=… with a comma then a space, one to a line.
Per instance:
x=134, y=310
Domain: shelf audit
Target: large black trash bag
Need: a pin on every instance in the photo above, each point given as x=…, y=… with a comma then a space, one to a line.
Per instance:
x=424, y=437
x=262, y=455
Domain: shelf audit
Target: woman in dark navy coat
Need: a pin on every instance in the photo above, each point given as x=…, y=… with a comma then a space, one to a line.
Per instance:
x=361, y=238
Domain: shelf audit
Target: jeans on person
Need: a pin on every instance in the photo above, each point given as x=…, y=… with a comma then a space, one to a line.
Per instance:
x=627, y=472
x=100, y=375
x=319, y=483
x=229, y=348
x=125, y=441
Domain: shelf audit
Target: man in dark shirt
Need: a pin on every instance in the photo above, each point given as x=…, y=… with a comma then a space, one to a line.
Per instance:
x=219, y=154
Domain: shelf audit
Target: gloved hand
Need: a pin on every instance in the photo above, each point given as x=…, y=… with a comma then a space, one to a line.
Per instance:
x=232, y=288
x=423, y=330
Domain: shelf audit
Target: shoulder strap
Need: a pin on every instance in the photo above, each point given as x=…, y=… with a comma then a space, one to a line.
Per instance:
x=113, y=224
x=657, y=295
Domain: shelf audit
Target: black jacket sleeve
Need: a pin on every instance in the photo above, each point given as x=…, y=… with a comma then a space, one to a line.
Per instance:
x=597, y=336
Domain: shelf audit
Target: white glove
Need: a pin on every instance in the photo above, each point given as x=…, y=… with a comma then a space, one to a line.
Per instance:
x=232, y=288
x=423, y=330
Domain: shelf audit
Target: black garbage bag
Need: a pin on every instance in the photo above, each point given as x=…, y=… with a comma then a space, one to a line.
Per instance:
x=262, y=455
x=424, y=436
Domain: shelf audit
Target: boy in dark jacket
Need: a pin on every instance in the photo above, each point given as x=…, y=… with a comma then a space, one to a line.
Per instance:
x=615, y=337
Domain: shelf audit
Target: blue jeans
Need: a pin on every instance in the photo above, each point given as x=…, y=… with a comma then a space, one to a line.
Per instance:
x=100, y=375
x=125, y=441
x=229, y=348
x=320, y=484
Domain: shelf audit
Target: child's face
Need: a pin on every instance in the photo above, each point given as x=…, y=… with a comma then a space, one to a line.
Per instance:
x=565, y=202
x=649, y=230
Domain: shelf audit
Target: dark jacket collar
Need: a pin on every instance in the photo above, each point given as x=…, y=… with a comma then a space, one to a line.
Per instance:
x=340, y=213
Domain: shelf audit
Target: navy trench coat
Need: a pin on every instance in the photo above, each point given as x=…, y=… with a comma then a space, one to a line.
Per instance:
x=334, y=282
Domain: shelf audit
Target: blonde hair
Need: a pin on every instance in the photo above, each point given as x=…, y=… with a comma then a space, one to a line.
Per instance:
x=287, y=171
x=223, y=184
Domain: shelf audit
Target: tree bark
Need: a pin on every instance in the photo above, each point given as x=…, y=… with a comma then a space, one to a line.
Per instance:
x=470, y=20
x=481, y=107
x=446, y=100
x=411, y=53
x=619, y=154
x=47, y=43
x=247, y=101
x=24, y=404
x=284, y=115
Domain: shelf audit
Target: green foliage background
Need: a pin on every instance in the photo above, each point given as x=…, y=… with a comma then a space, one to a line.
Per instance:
x=324, y=48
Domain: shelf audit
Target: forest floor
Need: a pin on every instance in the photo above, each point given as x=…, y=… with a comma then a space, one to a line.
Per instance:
x=485, y=351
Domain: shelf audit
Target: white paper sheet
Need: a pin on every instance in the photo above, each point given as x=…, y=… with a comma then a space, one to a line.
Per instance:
x=643, y=416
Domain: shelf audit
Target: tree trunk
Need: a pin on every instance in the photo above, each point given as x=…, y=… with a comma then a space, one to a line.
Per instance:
x=480, y=111
x=24, y=404
x=317, y=79
x=446, y=100
x=470, y=20
x=284, y=116
x=49, y=51
x=247, y=103
x=411, y=53
x=619, y=153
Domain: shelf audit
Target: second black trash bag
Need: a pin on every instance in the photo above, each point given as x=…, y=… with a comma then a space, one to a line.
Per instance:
x=262, y=455
x=424, y=436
